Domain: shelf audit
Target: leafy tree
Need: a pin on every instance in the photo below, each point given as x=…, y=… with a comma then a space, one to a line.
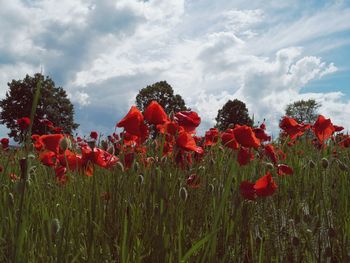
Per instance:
x=232, y=113
x=163, y=93
x=53, y=105
x=303, y=110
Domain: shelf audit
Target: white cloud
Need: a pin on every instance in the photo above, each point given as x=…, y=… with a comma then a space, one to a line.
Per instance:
x=103, y=52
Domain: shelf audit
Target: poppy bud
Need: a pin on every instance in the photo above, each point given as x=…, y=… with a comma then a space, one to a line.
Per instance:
x=183, y=194
x=342, y=166
x=312, y=164
x=269, y=166
x=324, y=163
x=65, y=143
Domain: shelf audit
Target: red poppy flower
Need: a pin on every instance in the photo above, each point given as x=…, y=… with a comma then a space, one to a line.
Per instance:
x=189, y=120
x=23, y=123
x=244, y=156
x=265, y=186
x=72, y=160
x=261, y=134
x=338, y=128
x=270, y=152
x=61, y=177
x=56, y=129
x=247, y=190
x=94, y=135
x=48, y=158
x=99, y=157
x=51, y=142
x=46, y=122
x=283, y=169
x=228, y=139
x=323, y=128
x=5, y=143
x=133, y=123
x=292, y=127
x=170, y=127
x=211, y=137
x=193, y=181
x=186, y=142
x=155, y=114
x=246, y=137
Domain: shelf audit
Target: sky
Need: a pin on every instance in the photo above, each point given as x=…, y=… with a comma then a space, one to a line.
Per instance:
x=266, y=53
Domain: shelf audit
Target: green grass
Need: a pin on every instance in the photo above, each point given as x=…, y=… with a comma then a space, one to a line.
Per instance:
x=148, y=217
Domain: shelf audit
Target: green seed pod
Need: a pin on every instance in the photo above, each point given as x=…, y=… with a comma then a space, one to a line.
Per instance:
x=324, y=163
x=65, y=143
x=269, y=166
x=312, y=164
x=342, y=166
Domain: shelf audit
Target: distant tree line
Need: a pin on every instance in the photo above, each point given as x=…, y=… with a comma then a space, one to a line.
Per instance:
x=55, y=106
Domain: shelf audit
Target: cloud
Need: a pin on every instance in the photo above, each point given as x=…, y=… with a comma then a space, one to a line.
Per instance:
x=104, y=52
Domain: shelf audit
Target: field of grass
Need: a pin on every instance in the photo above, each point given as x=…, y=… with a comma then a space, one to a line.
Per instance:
x=150, y=213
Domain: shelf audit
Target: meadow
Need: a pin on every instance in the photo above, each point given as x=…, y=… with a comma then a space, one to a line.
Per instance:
x=169, y=196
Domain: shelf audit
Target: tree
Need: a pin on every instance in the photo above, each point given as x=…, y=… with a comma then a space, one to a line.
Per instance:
x=303, y=110
x=163, y=93
x=232, y=113
x=53, y=105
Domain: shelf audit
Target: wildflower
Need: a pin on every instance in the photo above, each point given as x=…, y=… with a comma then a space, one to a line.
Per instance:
x=23, y=123
x=247, y=190
x=155, y=114
x=323, y=128
x=4, y=143
x=94, y=135
x=265, y=186
x=244, y=156
x=284, y=169
x=245, y=136
x=193, y=181
x=189, y=120
x=186, y=142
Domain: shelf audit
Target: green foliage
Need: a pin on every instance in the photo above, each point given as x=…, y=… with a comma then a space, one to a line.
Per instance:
x=232, y=113
x=303, y=110
x=116, y=217
x=163, y=93
x=53, y=105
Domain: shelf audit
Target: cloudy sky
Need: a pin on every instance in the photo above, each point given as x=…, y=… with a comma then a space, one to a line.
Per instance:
x=266, y=53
